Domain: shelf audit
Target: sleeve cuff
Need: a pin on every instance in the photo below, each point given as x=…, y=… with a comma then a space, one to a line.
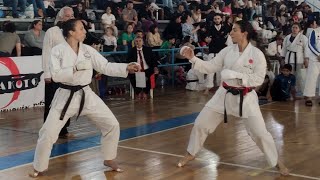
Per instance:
x=47, y=75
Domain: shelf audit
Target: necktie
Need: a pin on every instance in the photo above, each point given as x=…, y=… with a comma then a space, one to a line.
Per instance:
x=141, y=61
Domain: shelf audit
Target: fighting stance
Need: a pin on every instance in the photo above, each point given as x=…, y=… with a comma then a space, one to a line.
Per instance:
x=52, y=38
x=313, y=70
x=71, y=66
x=243, y=67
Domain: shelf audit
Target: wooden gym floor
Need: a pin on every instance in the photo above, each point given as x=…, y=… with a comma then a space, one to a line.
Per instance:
x=154, y=135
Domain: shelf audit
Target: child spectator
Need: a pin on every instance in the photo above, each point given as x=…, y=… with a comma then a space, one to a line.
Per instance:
x=110, y=41
x=109, y=20
x=284, y=85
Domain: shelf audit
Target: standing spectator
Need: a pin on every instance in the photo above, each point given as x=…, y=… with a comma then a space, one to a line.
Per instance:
x=33, y=39
x=9, y=40
x=109, y=20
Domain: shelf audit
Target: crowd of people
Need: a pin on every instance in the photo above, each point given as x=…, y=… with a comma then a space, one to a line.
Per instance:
x=283, y=27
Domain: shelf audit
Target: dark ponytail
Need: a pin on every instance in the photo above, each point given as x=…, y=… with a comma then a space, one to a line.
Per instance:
x=69, y=26
x=246, y=26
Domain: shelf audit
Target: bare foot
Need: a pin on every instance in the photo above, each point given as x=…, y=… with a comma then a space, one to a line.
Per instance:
x=188, y=157
x=35, y=174
x=113, y=165
x=282, y=169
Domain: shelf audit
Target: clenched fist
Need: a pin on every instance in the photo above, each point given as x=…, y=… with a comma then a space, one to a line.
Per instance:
x=133, y=67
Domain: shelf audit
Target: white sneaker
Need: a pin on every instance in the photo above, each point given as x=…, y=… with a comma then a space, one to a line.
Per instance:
x=21, y=16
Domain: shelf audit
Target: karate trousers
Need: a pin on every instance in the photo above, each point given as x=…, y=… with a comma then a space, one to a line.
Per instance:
x=208, y=120
x=313, y=73
x=99, y=114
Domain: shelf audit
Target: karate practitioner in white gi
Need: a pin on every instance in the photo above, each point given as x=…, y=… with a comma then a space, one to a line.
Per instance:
x=313, y=70
x=242, y=67
x=71, y=65
x=294, y=50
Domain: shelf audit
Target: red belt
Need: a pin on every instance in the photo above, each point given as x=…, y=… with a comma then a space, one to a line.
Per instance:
x=242, y=91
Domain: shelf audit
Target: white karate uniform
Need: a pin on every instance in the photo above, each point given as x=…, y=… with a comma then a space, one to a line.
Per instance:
x=273, y=49
x=313, y=70
x=296, y=48
x=71, y=69
x=198, y=85
x=52, y=38
x=245, y=70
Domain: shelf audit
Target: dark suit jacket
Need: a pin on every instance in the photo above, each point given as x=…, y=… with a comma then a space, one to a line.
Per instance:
x=147, y=54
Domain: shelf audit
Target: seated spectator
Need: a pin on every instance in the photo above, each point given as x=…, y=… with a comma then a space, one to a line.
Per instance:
x=146, y=17
x=174, y=28
x=206, y=8
x=168, y=44
x=33, y=39
x=22, y=5
x=50, y=8
x=138, y=33
x=127, y=37
x=187, y=41
x=110, y=41
x=129, y=15
x=109, y=20
x=144, y=56
x=180, y=9
x=196, y=15
x=227, y=10
x=153, y=37
x=188, y=29
x=275, y=47
x=204, y=36
x=9, y=40
x=80, y=12
x=284, y=85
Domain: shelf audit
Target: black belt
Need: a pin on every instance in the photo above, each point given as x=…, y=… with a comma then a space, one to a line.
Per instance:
x=295, y=59
x=196, y=80
x=72, y=89
x=235, y=91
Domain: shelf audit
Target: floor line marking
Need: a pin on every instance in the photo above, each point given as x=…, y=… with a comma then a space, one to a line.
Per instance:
x=98, y=145
x=304, y=112
x=224, y=163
